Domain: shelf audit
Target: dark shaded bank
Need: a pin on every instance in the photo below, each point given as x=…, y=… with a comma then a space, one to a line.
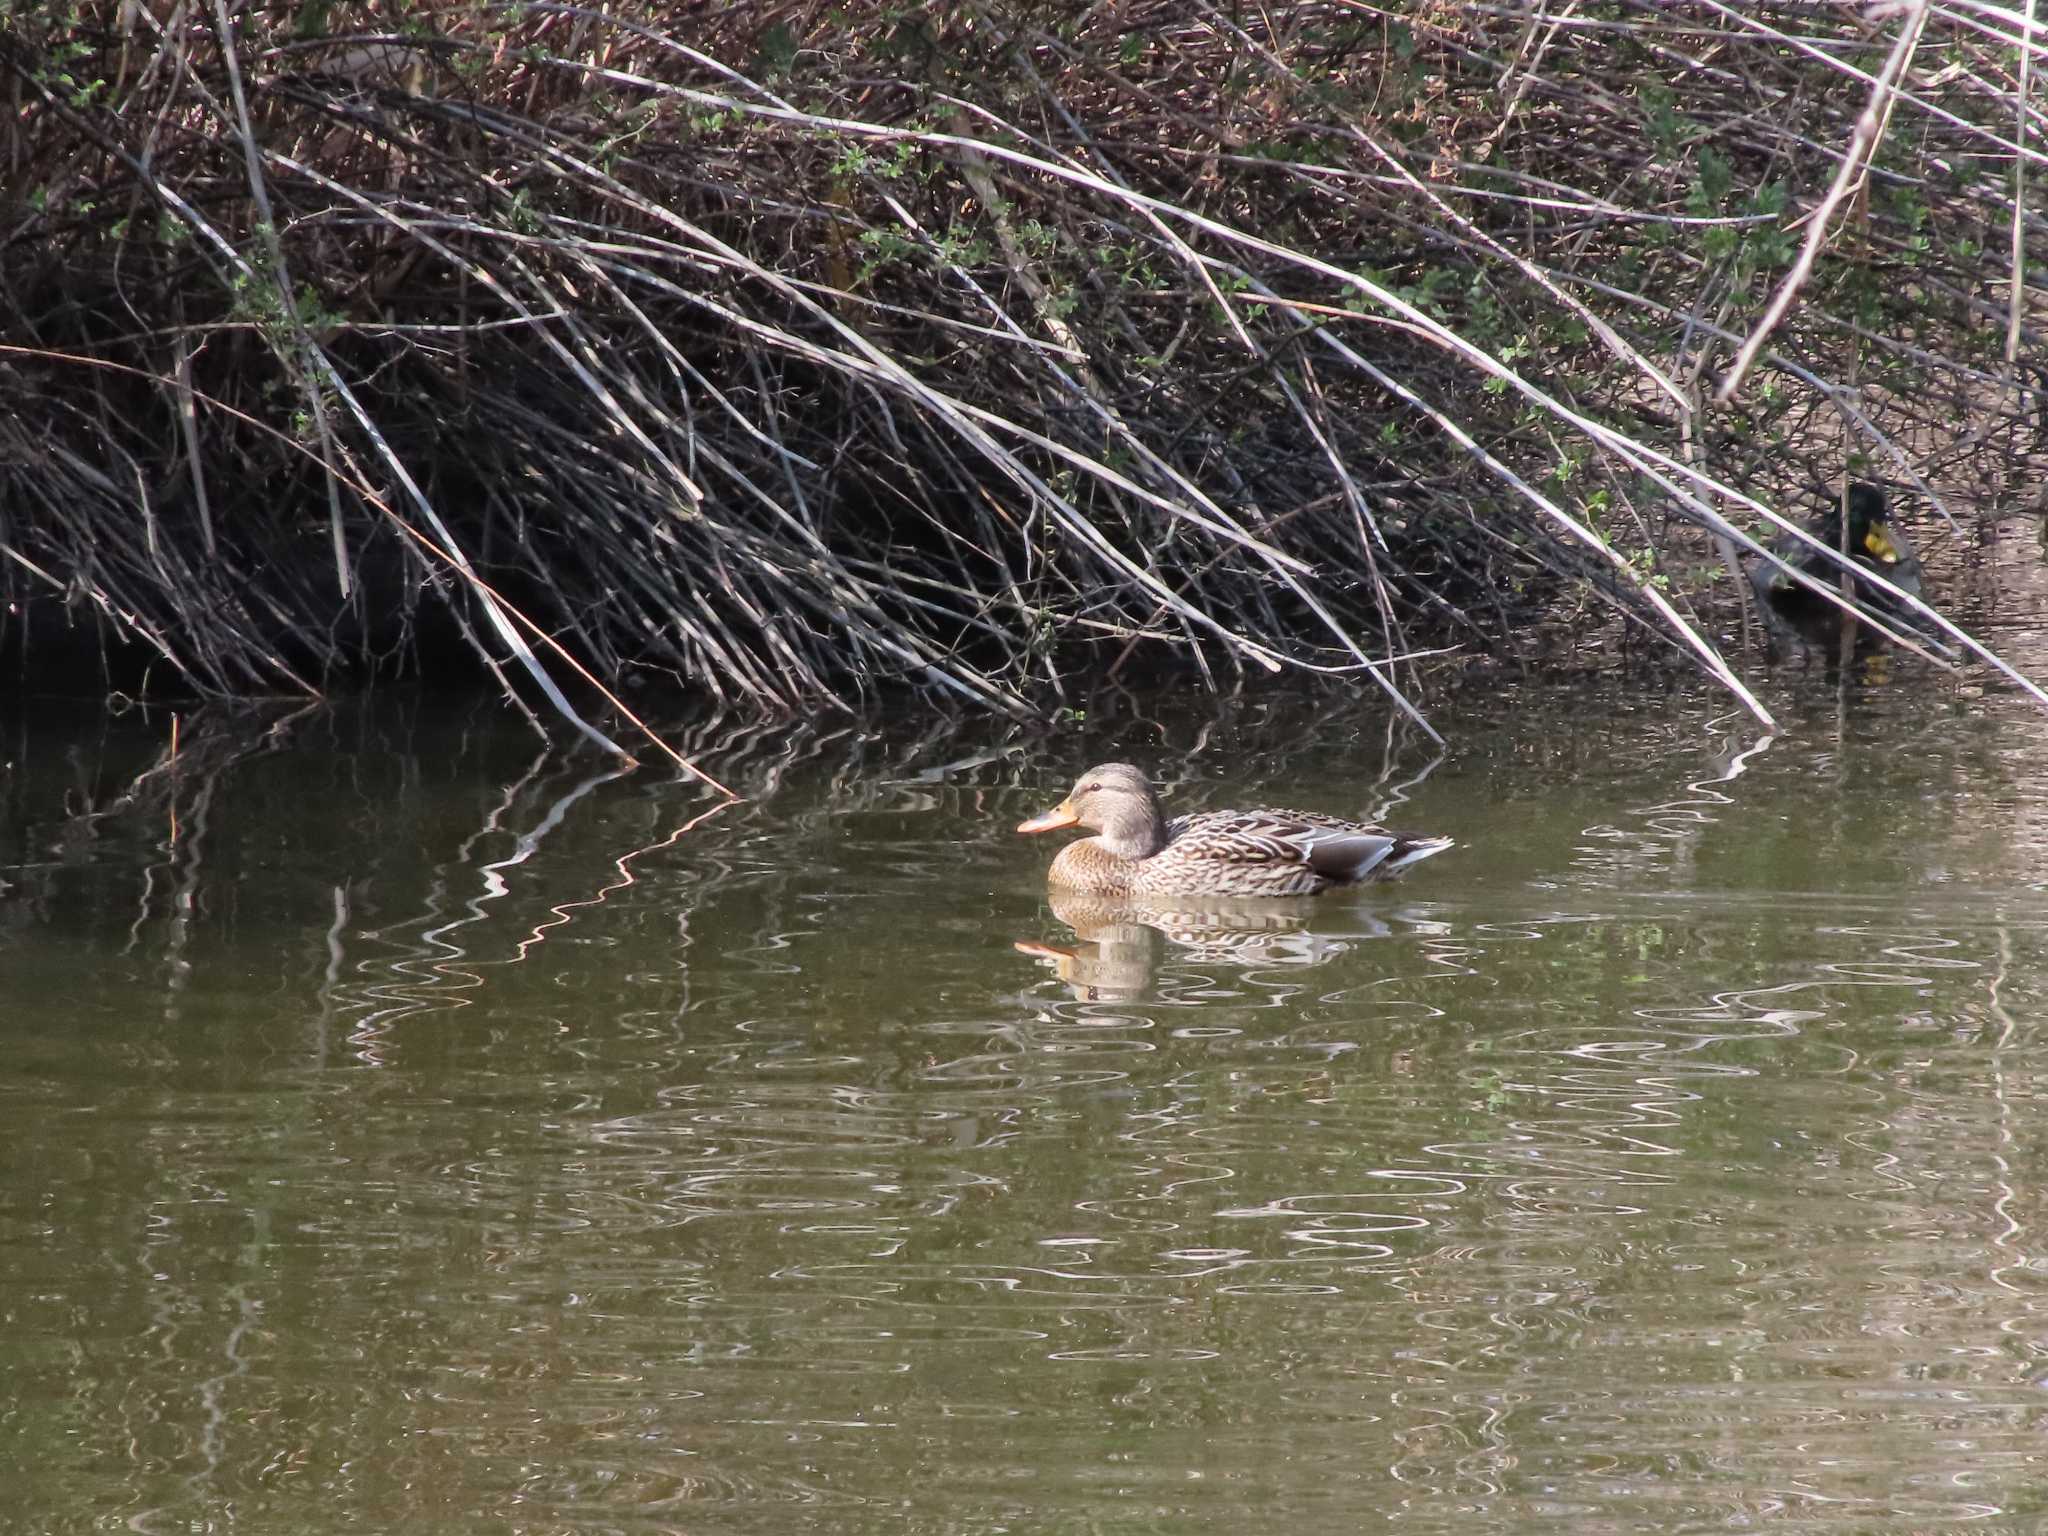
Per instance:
x=786, y=355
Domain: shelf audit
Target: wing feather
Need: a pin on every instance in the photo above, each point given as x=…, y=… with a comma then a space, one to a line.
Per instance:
x=1328, y=846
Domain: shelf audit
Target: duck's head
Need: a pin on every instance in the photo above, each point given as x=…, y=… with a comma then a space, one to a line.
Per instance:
x=1116, y=803
x=1870, y=529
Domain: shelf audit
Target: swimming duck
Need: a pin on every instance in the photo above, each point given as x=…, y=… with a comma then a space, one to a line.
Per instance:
x=1137, y=851
x=1875, y=544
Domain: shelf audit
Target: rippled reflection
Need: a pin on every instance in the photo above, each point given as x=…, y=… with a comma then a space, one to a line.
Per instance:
x=408, y=1126
x=1118, y=947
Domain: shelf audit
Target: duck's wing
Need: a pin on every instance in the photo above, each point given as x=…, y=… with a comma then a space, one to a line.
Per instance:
x=1335, y=849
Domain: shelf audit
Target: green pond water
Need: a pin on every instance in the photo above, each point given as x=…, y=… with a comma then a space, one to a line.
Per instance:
x=406, y=1129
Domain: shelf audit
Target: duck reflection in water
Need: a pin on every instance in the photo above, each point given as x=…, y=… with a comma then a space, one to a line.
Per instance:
x=1120, y=945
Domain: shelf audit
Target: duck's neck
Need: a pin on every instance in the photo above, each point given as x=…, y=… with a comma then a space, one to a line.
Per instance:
x=1137, y=835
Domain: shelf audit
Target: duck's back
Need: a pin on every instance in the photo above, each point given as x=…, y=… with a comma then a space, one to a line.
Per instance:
x=1271, y=852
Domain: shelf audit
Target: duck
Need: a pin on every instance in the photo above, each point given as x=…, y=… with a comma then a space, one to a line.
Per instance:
x=1875, y=544
x=1137, y=851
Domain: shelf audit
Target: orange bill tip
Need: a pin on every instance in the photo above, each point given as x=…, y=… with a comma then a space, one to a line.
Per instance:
x=1059, y=816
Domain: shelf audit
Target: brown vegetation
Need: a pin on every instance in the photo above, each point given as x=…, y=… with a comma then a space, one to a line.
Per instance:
x=784, y=351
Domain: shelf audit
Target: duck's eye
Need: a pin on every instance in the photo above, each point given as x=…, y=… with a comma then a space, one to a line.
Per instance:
x=1089, y=789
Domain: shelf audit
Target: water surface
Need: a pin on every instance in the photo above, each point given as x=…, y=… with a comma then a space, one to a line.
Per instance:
x=406, y=1128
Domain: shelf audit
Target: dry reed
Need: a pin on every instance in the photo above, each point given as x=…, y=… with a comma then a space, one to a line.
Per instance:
x=786, y=353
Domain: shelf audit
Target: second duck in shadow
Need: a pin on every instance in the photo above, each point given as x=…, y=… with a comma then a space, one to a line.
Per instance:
x=1873, y=545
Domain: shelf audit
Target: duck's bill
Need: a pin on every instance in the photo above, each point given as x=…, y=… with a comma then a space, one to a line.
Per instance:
x=1059, y=816
x=1879, y=542
x=1041, y=951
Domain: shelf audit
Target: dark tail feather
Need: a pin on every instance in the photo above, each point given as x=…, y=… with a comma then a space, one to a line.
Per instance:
x=1371, y=856
x=1410, y=850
